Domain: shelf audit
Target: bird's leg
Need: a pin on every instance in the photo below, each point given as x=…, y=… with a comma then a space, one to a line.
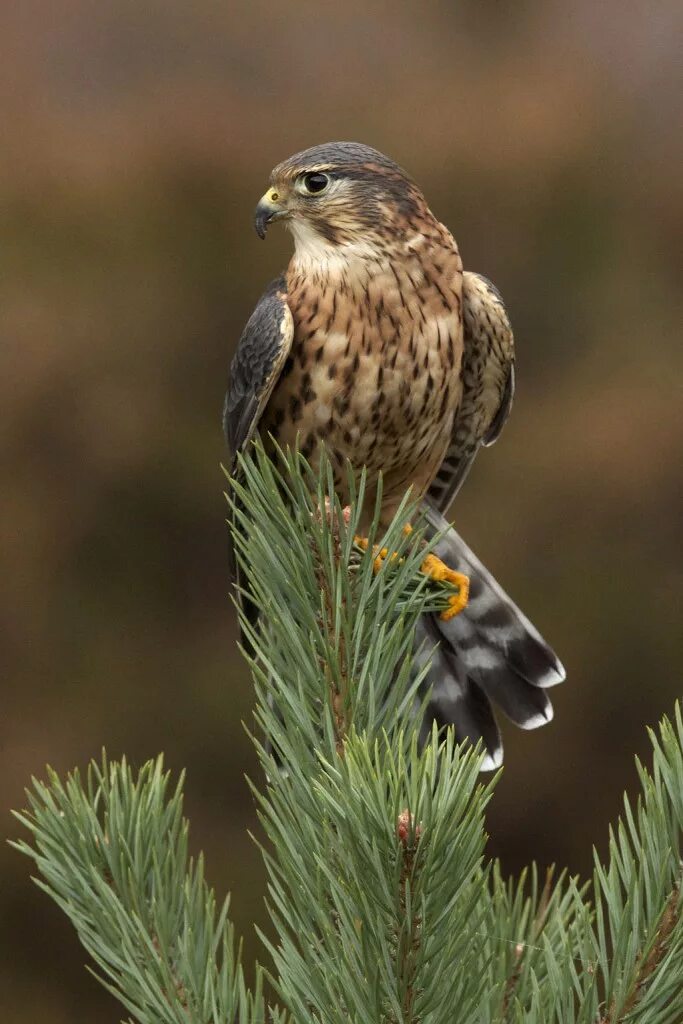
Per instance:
x=433, y=567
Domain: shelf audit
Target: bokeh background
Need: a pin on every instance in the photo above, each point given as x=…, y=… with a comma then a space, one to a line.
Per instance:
x=137, y=137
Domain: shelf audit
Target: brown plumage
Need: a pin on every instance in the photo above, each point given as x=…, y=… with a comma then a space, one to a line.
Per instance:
x=374, y=367
x=377, y=345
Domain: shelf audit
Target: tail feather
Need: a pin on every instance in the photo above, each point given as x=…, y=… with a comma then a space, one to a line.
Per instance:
x=489, y=652
x=454, y=698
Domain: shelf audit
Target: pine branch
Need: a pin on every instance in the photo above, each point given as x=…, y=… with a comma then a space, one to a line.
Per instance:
x=649, y=964
x=539, y=919
x=333, y=645
x=383, y=907
x=329, y=819
x=408, y=946
x=339, y=690
x=113, y=854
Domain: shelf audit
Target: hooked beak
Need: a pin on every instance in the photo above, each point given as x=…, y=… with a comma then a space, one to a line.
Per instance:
x=269, y=209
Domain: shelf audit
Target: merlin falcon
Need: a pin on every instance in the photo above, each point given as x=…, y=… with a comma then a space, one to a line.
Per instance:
x=376, y=344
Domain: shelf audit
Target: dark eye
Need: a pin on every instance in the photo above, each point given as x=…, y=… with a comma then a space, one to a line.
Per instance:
x=315, y=182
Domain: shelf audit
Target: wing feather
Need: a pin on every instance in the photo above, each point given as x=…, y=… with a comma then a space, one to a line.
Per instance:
x=256, y=366
x=488, y=383
x=261, y=353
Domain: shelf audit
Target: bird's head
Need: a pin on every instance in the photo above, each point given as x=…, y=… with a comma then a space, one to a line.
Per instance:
x=341, y=196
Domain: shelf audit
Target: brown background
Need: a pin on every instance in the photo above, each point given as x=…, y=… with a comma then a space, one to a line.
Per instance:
x=137, y=137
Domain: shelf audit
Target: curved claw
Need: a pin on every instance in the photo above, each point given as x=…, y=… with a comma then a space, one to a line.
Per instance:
x=438, y=570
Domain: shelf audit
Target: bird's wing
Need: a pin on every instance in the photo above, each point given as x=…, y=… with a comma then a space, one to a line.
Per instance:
x=488, y=384
x=261, y=353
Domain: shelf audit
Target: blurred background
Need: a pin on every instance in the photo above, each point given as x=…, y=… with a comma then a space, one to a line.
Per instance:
x=137, y=138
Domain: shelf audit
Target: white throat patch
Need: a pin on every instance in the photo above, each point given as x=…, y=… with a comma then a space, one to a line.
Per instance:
x=313, y=252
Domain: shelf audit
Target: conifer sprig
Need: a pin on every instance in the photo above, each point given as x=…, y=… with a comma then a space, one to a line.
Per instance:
x=384, y=908
x=112, y=851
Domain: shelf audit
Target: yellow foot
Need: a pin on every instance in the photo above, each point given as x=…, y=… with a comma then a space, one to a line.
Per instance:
x=438, y=570
x=432, y=567
x=381, y=554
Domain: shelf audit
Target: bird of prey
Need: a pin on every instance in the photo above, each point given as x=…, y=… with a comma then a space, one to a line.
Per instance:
x=376, y=344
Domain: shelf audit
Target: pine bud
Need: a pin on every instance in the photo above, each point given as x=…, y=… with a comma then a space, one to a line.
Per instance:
x=404, y=827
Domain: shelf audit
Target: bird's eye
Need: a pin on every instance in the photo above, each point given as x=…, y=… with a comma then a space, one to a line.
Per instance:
x=315, y=182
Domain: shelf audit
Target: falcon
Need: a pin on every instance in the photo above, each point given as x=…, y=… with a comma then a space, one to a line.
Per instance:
x=377, y=345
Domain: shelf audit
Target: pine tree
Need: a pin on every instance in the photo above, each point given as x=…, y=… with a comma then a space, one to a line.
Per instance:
x=383, y=905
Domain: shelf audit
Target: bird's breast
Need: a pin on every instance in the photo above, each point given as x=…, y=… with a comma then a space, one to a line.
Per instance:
x=374, y=370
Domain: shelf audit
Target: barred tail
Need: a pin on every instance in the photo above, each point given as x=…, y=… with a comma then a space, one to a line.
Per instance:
x=490, y=652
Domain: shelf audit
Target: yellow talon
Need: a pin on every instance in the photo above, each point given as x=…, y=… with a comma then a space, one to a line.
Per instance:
x=458, y=602
x=432, y=567
x=381, y=553
x=379, y=560
x=438, y=570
